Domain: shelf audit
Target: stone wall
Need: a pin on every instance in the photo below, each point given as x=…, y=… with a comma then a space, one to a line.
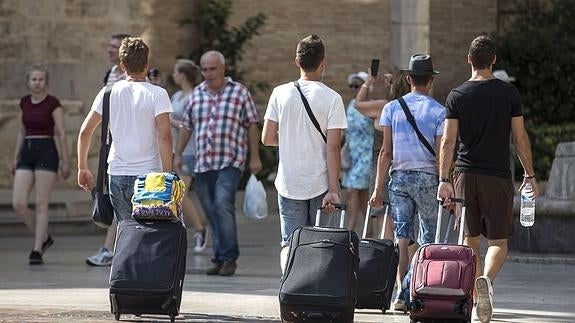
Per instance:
x=70, y=37
x=354, y=32
x=453, y=25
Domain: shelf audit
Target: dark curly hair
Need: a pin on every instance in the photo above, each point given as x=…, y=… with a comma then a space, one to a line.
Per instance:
x=310, y=52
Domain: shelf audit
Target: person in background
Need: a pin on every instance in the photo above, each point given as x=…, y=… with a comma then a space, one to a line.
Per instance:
x=411, y=162
x=104, y=255
x=140, y=125
x=482, y=173
x=38, y=157
x=185, y=75
x=395, y=85
x=359, y=141
x=155, y=77
x=309, y=163
x=224, y=120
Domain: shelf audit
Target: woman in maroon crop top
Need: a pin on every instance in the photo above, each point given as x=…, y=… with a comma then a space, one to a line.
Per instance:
x=38, y=157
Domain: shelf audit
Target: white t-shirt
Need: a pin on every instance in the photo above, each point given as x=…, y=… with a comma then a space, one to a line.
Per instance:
x=302, y=170
x=134, y=107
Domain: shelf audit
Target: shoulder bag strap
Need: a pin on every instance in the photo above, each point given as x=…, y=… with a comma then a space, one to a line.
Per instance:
x=309, y=112
x=411, y=121
x=104, y=142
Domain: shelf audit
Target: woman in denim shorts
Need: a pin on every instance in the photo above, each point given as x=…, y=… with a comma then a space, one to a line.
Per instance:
x=41, y=151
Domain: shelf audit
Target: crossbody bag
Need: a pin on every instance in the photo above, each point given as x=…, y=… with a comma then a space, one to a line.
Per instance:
x=309, y=112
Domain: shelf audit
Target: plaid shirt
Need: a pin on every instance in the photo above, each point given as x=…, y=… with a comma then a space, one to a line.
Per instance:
x=220, y=125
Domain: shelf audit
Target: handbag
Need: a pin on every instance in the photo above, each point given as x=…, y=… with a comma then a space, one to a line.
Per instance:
x=158, y=196
x=411, y=121
x=255, y=199
x=102, y=209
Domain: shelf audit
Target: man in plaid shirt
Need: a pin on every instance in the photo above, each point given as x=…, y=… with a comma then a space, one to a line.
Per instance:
x=223, y=117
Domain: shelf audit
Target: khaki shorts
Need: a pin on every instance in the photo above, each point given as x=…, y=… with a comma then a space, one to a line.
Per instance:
x=489, y=202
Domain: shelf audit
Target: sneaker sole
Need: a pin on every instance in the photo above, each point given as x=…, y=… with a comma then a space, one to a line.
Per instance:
x=199, y=249
x=88, y=262
x=484, y=306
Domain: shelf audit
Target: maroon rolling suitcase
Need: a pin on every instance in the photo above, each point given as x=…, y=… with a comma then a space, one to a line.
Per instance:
x=443, y=278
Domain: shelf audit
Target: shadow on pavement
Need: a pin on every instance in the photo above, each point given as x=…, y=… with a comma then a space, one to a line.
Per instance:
x=198, y=317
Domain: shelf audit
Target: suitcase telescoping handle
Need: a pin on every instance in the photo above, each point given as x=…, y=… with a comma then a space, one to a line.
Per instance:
x=461, y=223
x=382, y=234
x=340, y=207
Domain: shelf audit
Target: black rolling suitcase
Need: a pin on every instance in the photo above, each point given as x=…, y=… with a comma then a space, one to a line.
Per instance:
x=378, y=260
x=320, y=279
x=148, y=268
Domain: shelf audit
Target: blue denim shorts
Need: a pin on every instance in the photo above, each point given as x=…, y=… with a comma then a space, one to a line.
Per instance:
x=300, y=213
x=410, y=192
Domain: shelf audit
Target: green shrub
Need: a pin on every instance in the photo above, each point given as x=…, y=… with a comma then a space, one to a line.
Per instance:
x=538, y=50
x=544, y=140
x=215, y=34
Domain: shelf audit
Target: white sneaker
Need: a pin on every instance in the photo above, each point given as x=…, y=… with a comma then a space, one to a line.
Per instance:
x=102, y=258
x=484, y=299
x=200, y=240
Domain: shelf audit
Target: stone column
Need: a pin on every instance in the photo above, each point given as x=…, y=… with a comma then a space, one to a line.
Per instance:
x=409, y=30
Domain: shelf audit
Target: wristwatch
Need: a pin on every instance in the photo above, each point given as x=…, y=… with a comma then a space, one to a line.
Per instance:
x=445, y=180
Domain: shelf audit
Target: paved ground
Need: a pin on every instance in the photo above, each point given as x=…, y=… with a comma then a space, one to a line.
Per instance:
x=540, y=289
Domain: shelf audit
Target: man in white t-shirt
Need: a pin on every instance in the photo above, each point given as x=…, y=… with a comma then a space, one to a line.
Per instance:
x=309, y=158
x=140, y=128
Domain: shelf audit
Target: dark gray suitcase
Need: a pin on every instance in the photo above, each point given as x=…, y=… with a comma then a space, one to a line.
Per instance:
x=148, y=268
x=320, y=279
x=378, y=260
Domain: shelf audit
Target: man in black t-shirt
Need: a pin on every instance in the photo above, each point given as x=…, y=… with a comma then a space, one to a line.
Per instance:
x=482, y=113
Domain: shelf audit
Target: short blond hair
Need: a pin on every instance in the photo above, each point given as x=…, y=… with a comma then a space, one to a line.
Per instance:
x=134, y=54
x=37, y=67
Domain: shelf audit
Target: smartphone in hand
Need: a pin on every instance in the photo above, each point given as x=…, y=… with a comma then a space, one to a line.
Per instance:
x=374, y=66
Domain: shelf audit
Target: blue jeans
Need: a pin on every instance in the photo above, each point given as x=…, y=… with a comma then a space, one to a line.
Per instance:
x=410, y=192
x=216, y=191
x=121, y=189
x=300, y=213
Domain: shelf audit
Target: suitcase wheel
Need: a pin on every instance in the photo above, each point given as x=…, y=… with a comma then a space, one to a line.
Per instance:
x=172, y=318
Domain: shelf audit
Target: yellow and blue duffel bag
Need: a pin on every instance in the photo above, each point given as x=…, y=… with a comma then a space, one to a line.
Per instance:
x=158, y=196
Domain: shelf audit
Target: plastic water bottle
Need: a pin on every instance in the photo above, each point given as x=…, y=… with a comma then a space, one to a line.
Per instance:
x=527, y=213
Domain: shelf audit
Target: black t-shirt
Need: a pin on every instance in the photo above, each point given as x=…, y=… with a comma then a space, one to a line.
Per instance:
x=484, y=110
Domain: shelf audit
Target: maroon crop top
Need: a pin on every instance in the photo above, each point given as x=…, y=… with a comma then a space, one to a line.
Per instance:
x=37, y=118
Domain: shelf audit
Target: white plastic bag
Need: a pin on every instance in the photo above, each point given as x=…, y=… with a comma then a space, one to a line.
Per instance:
x=255, y=201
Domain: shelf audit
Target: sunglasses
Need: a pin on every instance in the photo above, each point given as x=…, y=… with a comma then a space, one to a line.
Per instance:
x=354, y=86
